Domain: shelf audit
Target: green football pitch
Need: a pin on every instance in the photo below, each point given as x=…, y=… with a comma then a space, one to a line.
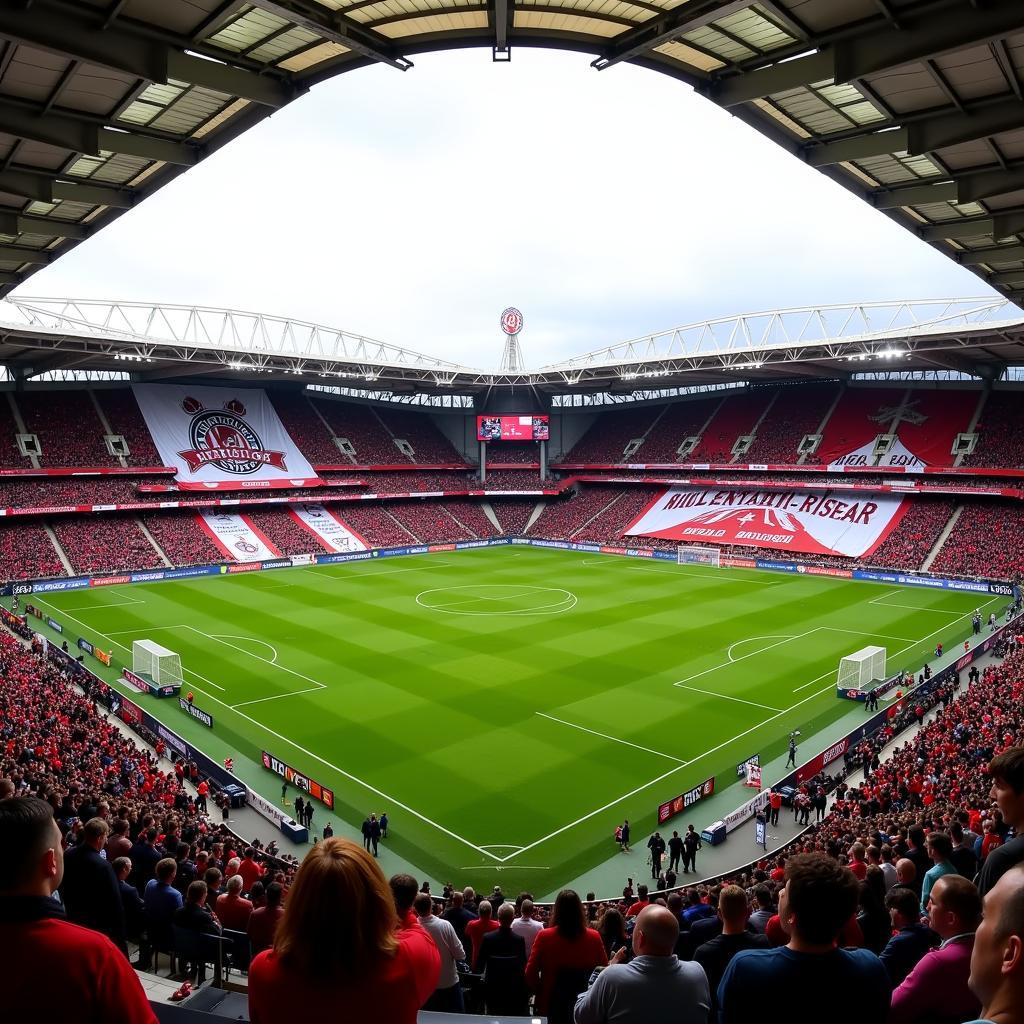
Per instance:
x=508, y=706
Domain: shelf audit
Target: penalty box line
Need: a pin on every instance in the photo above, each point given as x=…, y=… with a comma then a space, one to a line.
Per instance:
x=316, y=757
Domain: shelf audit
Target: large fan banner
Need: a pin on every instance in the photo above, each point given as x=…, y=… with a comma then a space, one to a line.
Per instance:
x=817, y=522
x=221, y=436
x=333, y=533
x=237, y=538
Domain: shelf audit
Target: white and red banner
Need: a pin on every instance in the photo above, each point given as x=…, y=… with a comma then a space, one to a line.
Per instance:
x=216, y=436
x=816, y=522
x=328, y=528
x=236, y=537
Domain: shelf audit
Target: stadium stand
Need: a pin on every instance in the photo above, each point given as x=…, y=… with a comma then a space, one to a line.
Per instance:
x=910, y=543
x=795, y=413
x=561, y=519
x=377, y=526
x=987, y=540
x=105, y=544
x=515, y=480
x=429, y=445
x=26, y=552
x=610, y=523
x=930, y=421
x=181, y=539
x=736, y=416
x=428, y=521
x=860, y=415
x=679, y=421
x=470, y=515
x=513, y=515
x=307, y=429
x=1000, y=432
x=364, y=431
x=9, y=454
x=70, y=432
x=125, y=418
x=527, y=452
x=609, y=434
x=284, y=533
x=426, y=480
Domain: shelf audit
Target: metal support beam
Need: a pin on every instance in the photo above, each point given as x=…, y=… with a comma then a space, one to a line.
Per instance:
x=21, y=254
x=26, y=185
x=997, y=254
x=502, y=15
x=183, y=154
x=1007, y=277
x=1001, y=225
x=93, y=195
x=80, y=37
x=16, y=224
x=857, y=147
x=651, y=34
x=337, y=28
x=926, y=36
x=914, y=195
x=986, y=184
x=8, y=278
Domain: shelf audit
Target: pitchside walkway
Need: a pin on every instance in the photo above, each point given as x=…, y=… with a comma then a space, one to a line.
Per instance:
x=739, y=849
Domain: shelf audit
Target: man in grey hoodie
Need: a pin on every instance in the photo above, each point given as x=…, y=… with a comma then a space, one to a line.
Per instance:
x=655, y=985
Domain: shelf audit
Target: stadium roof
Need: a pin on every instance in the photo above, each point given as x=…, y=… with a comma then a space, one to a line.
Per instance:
x=977, y=337
x=915, y=105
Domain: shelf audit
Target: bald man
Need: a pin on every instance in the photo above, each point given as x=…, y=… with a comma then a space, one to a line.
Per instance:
x=653, y=986
x=906, y=873
x=997, y=960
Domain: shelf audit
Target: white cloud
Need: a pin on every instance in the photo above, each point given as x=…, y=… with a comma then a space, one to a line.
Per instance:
x=414, y=207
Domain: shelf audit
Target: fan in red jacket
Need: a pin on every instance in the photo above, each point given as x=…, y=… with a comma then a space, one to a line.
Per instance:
x=54, y=970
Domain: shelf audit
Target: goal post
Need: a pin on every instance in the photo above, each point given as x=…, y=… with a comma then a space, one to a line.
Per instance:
x=858, y=672
x=161, y=665
x=693, y=554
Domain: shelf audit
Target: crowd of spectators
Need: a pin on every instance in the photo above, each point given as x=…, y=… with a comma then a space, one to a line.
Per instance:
x=9, y=453
x=518, y=452
x=307, y=429
x=95, y=543
x=26, y=552
x=734, y=418
x=284, y=532
x=377, y=526
x=471, y=515
x=606, y=439
x=987, y=540
x=678, y=422
x=516, y=480
x=796, y=412
x=909, y=544
x=424, y=480
x=562, y=518
x=429, y=522
x=610, y=523
x=181, y=539
x=1000, y=435
x=125, y=418
x=69, y=430
x=513, y=515
x=429, y=445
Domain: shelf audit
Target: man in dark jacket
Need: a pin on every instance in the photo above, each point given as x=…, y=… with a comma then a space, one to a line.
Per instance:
x=145, y=855
x=196, y=916
x=912, y=939
x=715, y=954
x=131, y=901
x=502, y=961
x=89, y=891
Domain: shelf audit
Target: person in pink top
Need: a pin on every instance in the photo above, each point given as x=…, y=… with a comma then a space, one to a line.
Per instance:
x=936, y=989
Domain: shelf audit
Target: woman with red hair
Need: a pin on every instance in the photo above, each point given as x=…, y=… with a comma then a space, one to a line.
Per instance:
x=340, y=948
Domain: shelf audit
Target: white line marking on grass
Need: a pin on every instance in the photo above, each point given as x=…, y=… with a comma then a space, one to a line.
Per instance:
x=680, y=571
x=251, y=639
x=309, y=753
x=726, y=696
x=501, y=846
x=665, y=775
x=614, y=739
x=777, y=636
x=743, y=657
x=372, y=573
x=462, y=607
x=882, y=603
x=128, y=599
x=278, y=696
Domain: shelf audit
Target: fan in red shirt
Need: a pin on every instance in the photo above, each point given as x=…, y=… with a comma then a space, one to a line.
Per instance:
x=341, y=949
x=91, y=979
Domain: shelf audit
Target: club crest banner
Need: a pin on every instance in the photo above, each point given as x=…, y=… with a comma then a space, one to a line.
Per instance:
x=817, y=522
x=236, y=537
x=332, y=531
x=218, y=436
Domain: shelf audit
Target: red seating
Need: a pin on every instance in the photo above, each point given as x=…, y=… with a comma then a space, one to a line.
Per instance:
x=909, y=544
x=1001, y=432
x=307, y=430
x=563, y=517
x=26, y=552
x=614, y=519
x=105, y=544
x=471, y=515
x=181, y=539
x=429, y=521
x=680, y=421
x=376, y=525
x=609, y=434
x=68, y=427
x=516, y=480
x=513, y=515
x=284, y=533
x=125, y=418
x=411, y=483
x=364, y=431
x=987, y=541
x=428, y=443
x=527, y=452
x=797, y=411
x=736, y=416
x=9, y=454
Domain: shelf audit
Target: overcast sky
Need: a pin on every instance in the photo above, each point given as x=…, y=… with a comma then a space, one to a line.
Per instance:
x=414, y=207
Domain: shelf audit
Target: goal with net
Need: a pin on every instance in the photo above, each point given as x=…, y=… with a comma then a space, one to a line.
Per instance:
x=860, y=672
x=156, y=663
x=692, y=554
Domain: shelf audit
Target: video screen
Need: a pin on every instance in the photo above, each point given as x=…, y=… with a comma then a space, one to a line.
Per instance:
x=512, y=428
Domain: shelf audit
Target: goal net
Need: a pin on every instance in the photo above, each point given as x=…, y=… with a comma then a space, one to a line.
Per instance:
x=691, y=554
x=858, y=671
x=160, y=664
